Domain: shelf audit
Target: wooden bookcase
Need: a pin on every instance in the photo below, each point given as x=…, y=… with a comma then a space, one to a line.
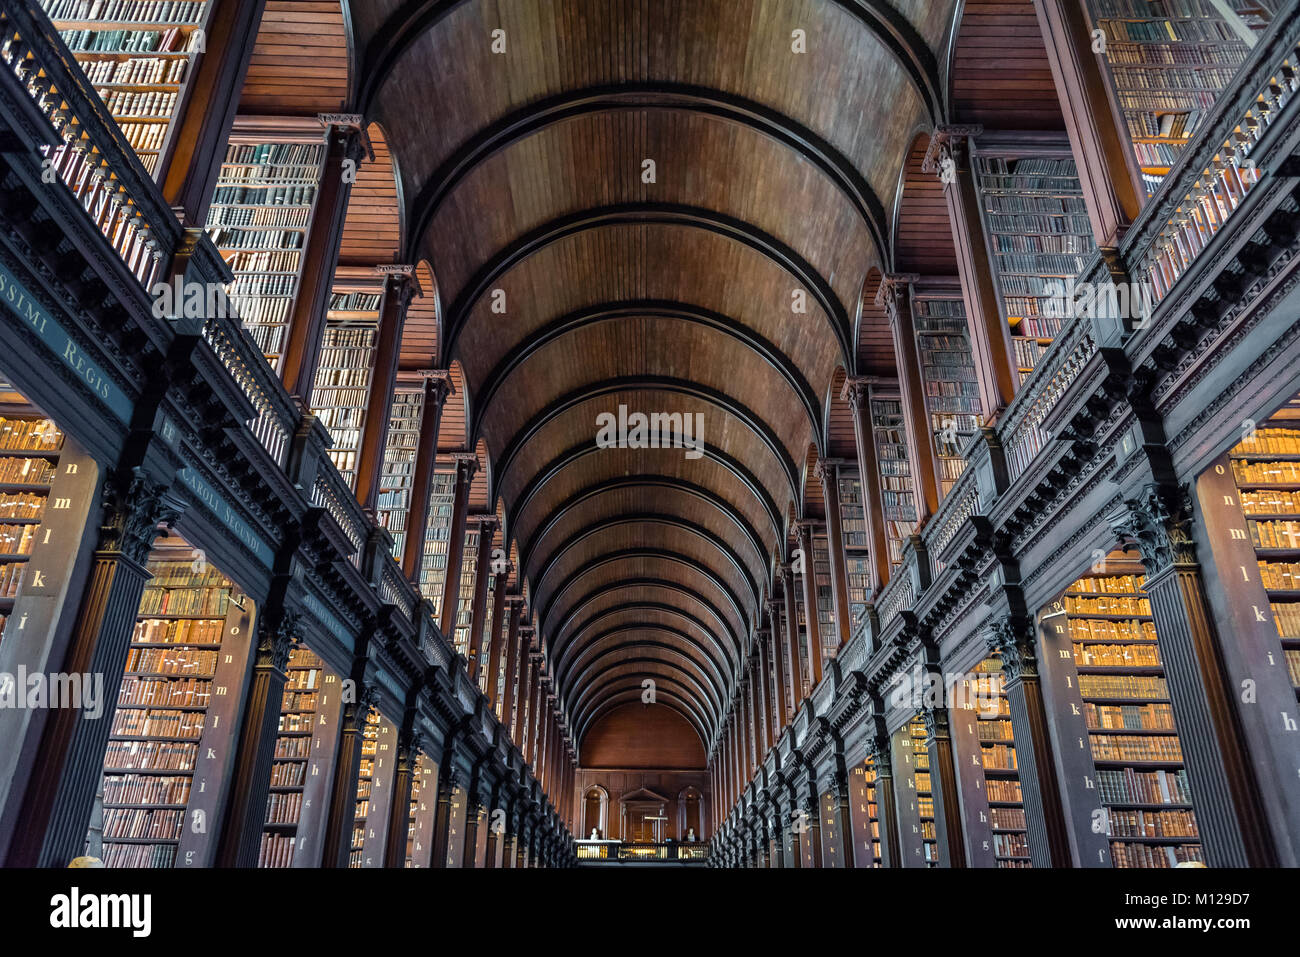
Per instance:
x=857, y=542
x=341, y=391
x=988, y=776
x=261, y=211
x=433, y=562
x=898, y=499
x=424, y=802
x=460, y=635
x=948, y=370
x=139, y=55
x=821, y=565
x=30, y=447
x=1038, y=232
x=176, y=716
x=864, y=815
x=915, y=800
x=374, y=790
x=1106, y=668
x=393, y=504
x=1168, y=61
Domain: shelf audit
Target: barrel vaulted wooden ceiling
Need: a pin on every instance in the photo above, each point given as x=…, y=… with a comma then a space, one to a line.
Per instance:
x=776, y=172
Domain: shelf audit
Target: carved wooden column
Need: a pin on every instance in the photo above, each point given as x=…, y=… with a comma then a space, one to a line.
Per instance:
x=240, y=839
x=943, y=785
x=857, y=393
x=891, y=851
x=466, y=467
x=56, y=806
x=345, y=147
x=507, y=708
x=399, y=817
x=780, y=706
x=794, y=659
x=828, y=472
x=496, y=637
x=525, y=683
x=187, y=173
x=765, y=688
x=756, y=707
x=495, y=830
x=810, y=841
x=896, y=296
x=487, y=528
x=948, y=157
x=1049, y=840
x=811, y=619
x=1229, y=812
x=475, y=810
x=343, y=792
x=400, y=287
x=837, y=823
x=449, y=782
x=1108, y=172
x=437, y=385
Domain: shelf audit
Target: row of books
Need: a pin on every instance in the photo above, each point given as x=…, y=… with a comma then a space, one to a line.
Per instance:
x=1216, y=79
x=1200, y=30
x=1172, y=54
x=260, y=217
x=288, y=774
x=1270, y=441
x=1145, y=855
x=1121, y=747
x=1270, y=502
x=146, y=789
x=229, y=237
x=283, y=807
x=1130, y=786
x=1028, y=352
x=1108, y=605
x=1117, y=656
x=287, y=748
x=158, y=723
x=1092, y=629
x=29, y=435
x=171, y=40
x=157, y=823
x=1143, y=823
x=136, y=71
x=1143, y=687
x=17, y=539
x=1286, y=615
x=208, y=602
x=1001, y=757
x=1274, y=534
x=276, y=850
x=1129, y=717
x=15, y=470
x=132, y=11
x=139, y=855
x=177, y=661
x=150, y=756
x=1280, y=576
x=190, y=693
x=229, y=194
x=16, y=505
x=159, y=103
x=1266, y=473
x=11, y=578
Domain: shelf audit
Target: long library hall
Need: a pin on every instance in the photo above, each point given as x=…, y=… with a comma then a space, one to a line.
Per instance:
x=672, y=434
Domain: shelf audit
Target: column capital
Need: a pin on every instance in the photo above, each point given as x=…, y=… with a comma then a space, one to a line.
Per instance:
x=466, y=462
x=1159, y=522
x=134, y=505
x=1012, y=639
x=948, y=142
x=891, y=285
x=276, y=636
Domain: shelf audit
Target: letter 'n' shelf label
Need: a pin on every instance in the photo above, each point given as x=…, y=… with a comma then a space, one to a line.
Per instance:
x=21, y=302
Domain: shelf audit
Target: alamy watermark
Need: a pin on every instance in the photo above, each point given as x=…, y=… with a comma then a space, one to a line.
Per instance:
x=1128, y=301
x=658, y=430
x=35, y=691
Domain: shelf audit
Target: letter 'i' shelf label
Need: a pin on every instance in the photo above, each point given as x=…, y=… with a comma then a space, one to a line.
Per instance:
x=24, y=305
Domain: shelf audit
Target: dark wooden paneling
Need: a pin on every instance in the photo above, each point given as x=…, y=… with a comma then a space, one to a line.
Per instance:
x=642, y=736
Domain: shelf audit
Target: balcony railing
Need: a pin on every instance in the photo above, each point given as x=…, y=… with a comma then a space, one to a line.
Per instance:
x=87, y=152
x=632, y=853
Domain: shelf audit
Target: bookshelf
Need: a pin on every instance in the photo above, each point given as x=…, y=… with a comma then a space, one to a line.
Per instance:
x=917, y=833
x=302, y=720
x=173, y=713
x=1128, y=718
x=865, y=815
x=139, y=56
x=460, y=634
x=433, y=562
x=1266, y=471
x=948, y=370
x=993, y=805
x=857, y=542
x=341, y=390
x=374, y=784
x=485, y=643
x=393, y=504
x=802, y=619
x=821, y=560
x=898, y=500
x=259, y=217
x=1167, y=61
x=424, y=798
x=1039, y=237
x=30, y=448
